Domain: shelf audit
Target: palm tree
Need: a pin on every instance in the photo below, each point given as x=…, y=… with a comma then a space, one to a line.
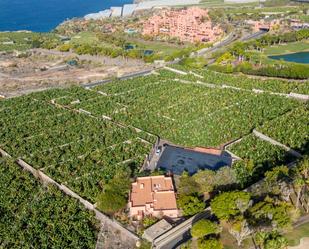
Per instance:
x=260, y=238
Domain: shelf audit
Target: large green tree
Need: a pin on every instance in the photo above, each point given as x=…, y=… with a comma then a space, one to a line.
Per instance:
x=206, y=179
x=204, y=227
x=187, y=185
x=229, y=204
x=115, y=194
x=270, y=240
x=272, y=212
x=190, y=204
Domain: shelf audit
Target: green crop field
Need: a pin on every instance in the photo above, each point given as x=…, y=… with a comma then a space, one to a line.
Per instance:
x=291, y=129
x=73, y=148
x=249, y=83
x=34, y=216
x=82, y=137
x=262, y=153
x=15, y=40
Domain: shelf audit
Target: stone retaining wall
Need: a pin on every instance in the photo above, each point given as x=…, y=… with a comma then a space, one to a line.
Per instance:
x=274, y=142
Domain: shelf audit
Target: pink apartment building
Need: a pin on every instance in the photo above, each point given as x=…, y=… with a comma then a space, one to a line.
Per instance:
x=153, y=195
x=189, y=25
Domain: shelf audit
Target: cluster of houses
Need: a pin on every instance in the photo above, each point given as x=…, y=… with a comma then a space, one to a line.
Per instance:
x=264, y=24
x=273, y=24
x=188, y=25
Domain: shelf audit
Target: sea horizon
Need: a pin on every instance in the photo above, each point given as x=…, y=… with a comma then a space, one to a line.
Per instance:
x=44, y=16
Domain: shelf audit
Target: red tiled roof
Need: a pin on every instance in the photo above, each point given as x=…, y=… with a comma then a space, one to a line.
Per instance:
x=155, y=190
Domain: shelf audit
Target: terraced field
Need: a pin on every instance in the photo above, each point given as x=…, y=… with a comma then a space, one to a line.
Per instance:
x=71, y=147
x=82, y=137
x=291, y=129
x=248, y=82
x=34, y=216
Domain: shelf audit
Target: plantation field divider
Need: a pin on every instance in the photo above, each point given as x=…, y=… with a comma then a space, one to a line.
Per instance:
x=274, y=142
x=119, y=124
x=176, y=70
x=301, y=97
x=124, y=233
x=227, y=145
x=233, y=155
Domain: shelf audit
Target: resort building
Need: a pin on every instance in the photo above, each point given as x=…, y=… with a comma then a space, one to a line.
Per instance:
x=154, y=196
x=298, y=24
x=264, y=24
x=188, y=25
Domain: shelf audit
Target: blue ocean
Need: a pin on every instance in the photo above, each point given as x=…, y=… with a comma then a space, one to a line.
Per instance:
x=44, y=15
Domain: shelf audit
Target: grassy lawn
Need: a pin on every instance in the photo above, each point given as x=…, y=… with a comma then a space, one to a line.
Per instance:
x=163, y=47
x=296, y=234
x=281, y=9
x=287, y=48
x=84, y=37
x=89, y=38
x=222, y=4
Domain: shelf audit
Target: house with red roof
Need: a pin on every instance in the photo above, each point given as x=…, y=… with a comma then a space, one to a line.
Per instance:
x=154, y=196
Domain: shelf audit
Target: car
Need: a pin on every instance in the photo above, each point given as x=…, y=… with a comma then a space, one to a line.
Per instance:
x=158, y=150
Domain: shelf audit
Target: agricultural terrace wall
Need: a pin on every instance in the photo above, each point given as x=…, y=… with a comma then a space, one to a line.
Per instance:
x=274, y=142
x=125, y=234
x=175, y=70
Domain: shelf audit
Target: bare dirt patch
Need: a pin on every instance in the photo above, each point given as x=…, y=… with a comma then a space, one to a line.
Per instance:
x=40, y=69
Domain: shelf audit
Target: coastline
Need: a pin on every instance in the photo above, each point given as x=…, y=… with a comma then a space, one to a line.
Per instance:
x=127, y=10
x=44, y=16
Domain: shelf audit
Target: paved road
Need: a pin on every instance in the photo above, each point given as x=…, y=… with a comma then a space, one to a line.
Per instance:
x=254, y=35
x=179, y=234
x=232, y=37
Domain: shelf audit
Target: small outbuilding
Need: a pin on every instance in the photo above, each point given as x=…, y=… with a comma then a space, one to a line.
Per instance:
x=156, y=230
